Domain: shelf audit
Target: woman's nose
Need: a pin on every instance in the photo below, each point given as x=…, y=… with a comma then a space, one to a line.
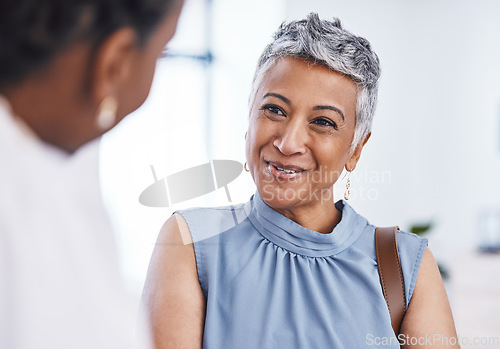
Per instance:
x=291, y=139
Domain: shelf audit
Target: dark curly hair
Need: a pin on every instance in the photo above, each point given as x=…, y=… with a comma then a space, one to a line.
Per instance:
x=32, y=32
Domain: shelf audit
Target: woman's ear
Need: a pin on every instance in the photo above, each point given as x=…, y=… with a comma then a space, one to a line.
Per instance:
x=354, y=158
x=113, y=61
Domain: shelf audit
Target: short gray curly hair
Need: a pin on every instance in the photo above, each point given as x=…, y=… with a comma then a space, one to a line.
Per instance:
x=327, y=43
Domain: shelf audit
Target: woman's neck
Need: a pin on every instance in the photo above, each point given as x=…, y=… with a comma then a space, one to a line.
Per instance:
x=321, y=216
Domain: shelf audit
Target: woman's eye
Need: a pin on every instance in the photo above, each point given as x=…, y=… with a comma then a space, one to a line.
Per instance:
x=273, y=110
x=325, y=122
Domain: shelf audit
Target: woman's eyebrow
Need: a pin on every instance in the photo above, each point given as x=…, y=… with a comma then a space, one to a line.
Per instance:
x=277, y=95
x=329, y=107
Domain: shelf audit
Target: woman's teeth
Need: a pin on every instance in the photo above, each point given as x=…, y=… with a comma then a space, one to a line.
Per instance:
x=286, y=171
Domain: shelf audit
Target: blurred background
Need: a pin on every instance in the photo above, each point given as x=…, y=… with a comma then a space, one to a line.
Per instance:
x=433, y=160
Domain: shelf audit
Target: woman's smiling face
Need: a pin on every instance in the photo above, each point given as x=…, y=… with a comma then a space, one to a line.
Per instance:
x=300, y=132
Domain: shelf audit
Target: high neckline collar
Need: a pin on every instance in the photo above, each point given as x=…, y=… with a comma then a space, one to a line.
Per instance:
x=297, y=239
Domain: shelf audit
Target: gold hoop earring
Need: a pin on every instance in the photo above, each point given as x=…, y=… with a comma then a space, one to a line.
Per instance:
x=245, y=167
x=347, y=193
x=106, y=114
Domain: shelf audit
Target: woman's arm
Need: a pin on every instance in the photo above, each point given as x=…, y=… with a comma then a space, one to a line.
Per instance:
x=428, y=321
x=172, y=294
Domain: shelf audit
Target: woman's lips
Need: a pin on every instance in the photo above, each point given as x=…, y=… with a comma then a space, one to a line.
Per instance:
x=284, y=172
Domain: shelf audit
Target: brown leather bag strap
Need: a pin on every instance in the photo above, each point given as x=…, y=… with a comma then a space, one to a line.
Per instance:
x=391, y=274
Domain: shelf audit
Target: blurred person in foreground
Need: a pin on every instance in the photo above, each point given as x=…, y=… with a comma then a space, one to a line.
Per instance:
x=291, y=268
x=69, y=71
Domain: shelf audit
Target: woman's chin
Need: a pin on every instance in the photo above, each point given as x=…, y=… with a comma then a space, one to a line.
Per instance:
x=278, y=197
x=282, y=198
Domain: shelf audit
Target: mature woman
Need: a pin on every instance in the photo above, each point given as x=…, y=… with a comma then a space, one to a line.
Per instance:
x=69, y=71
x=291, y=268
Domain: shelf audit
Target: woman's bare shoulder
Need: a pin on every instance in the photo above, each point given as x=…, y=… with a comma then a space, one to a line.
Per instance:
x=172, y=294
x=429, y=313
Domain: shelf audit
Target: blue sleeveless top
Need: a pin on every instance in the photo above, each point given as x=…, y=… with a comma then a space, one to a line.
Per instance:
x=271, y=283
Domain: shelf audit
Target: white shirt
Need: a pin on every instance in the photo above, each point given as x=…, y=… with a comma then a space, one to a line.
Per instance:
x=60, y=285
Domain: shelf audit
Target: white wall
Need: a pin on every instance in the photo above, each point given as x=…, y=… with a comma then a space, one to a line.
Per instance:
x=436, y=130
